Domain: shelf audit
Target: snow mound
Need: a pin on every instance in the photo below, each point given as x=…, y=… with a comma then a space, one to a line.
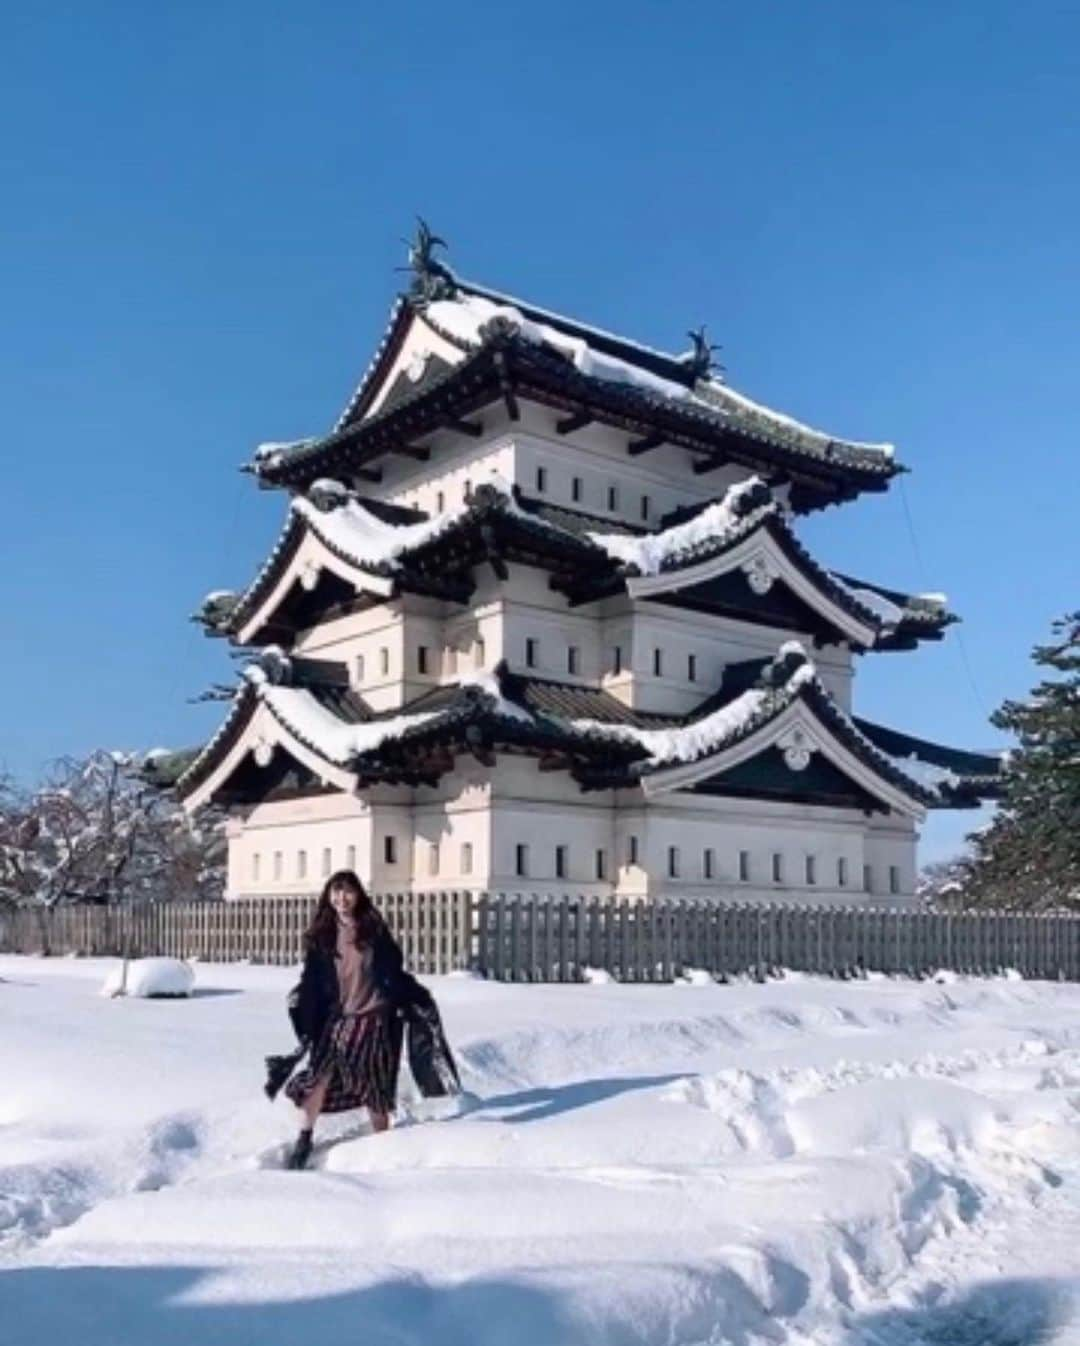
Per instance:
x=149, y=977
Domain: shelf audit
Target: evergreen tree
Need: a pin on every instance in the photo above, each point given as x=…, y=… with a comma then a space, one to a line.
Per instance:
x=1029, y=856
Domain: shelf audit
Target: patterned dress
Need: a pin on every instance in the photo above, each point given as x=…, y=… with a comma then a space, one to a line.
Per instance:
x=360, y=1047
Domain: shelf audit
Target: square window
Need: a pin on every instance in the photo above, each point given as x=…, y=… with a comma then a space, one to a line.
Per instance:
x=390, y=850
x=811, y=869
x=541, y=479
x=691, y=668
x=560, y=862
x=744, y=866
x=466, y=857
x=575, y=488
x=572, y=659
x=521, y=860
x=673, y=862
x=531, y=659
x=601, y=864
x=708, y=863
x=777, y=867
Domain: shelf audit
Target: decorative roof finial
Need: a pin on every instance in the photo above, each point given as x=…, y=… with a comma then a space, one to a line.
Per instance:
x=431, y=280
x=700, y=360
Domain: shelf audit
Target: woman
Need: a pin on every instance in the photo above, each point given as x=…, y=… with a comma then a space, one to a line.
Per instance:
x=348, y=1008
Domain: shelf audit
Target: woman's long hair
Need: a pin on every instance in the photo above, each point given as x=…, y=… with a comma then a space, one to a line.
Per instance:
x=321, y=934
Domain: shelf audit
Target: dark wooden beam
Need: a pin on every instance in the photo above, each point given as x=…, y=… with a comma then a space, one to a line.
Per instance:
x=577, y=421
x=643, y=445
x=710, y=464
x=507, y=387
x=411, y=451
x=471, y=428
x=372, y=474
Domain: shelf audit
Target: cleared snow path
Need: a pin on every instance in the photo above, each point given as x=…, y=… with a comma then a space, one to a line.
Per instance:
x=879, y=1163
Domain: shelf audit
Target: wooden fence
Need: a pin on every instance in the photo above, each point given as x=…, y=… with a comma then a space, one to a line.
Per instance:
x=434, y=929
x=537, y=938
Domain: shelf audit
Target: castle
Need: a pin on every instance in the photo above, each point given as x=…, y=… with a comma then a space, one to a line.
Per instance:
x=539, y=621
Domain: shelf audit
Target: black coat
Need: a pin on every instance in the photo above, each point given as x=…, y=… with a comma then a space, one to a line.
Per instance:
x=315, y=1000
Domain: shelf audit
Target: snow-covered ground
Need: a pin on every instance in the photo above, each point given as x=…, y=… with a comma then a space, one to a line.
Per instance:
x=883, y=1163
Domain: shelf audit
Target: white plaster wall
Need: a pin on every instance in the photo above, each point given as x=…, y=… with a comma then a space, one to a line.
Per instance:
x=338, y=823
x=892, y=844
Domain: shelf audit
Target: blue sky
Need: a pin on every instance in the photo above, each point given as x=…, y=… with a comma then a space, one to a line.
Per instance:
x=872, y=206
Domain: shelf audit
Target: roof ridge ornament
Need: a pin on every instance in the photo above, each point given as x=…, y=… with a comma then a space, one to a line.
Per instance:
x=431, y=279
x=699, y=359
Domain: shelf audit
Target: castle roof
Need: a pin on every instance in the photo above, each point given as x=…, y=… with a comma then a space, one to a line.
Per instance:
x=736, y=555
x=771, y=718
x=497, y=350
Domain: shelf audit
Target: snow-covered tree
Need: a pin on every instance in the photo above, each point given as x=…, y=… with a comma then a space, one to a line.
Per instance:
x=96, y=831
x=941, y=883
x=1029, y=855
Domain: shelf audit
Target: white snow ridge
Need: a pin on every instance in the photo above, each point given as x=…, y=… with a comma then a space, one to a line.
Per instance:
x=878, y=1163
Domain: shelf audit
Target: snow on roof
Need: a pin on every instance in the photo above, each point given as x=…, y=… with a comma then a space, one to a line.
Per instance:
x=887, y=612
x=687, y=743
x=372, y=543
x=271, y=452
x=926, y=774
x=488, y=683
x=463, y=316
x=649, y=554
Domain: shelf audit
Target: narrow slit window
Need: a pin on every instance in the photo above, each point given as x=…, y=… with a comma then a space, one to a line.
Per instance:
x=468, y=490
x=572, y=659
x=350, y=858
x=359, y=670
x=390, y=850
x=521, y=860
x=613, y=498
x=326, y=862
x=744, y=866
x=301, y=864
x=601, y=864
x=658, y=662
x=560, y=862
x=777, y=867
x=422, y=659
x=541, y=479
x=440, y=502
x=841, y=872
x=531, y=657
x=433, y=858
x=691, y=668
x=708, y=863
x=575, y=489
x=673, y=862
x=811, y=870
x=894, y=878
x=868, y=878
x=277, y=864
x=255, y=865
x=645, y=507
x=384, y=660
x=616, y=659
x=633, y=850
x=466, y=857
x=479, y=652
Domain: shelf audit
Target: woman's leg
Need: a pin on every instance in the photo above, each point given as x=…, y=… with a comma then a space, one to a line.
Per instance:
x=313, y=1103
x=380, y=1121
